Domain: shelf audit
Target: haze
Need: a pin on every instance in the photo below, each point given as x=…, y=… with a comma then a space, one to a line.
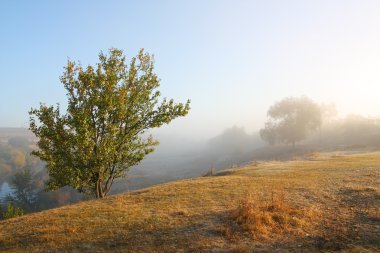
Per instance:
x=233, y=59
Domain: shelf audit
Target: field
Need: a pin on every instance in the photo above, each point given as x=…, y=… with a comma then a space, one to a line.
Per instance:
x=323, y=202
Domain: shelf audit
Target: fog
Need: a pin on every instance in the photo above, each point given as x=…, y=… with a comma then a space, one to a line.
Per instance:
x=179, y=157
x=232, y=59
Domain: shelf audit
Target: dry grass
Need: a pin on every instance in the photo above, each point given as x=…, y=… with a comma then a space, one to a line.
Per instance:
x=264, y=218
x=203, y=214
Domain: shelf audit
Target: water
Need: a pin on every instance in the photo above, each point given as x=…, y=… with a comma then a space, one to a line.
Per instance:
x=4, y=190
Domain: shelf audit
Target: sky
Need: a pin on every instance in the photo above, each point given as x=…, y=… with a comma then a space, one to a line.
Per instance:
x=233, y=59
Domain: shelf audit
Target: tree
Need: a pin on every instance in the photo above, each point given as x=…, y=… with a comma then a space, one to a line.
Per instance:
x=18, y=159
x=269, y=133
x=24, y=192
x=101, y=136
x=233, y=141
x=291, y=120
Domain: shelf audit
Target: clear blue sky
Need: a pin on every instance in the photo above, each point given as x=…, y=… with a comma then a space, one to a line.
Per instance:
x=233, y=59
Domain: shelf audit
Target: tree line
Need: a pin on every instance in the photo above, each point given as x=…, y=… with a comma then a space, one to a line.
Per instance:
x=25, y=175
x=296, y=119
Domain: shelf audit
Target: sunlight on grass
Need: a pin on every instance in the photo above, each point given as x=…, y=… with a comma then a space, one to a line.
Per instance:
x=327, y=203
x=274, y=215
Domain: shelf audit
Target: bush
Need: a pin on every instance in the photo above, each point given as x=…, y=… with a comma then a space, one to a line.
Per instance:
x=274, y=215
x=12, y=211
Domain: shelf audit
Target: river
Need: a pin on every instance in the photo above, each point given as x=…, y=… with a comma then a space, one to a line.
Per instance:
x=4, y=190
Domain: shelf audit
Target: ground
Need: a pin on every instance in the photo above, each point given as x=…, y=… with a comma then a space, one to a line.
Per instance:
x=339, y=196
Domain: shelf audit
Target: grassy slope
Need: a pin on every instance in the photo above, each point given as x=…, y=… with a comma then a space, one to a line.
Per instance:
x=191, y=215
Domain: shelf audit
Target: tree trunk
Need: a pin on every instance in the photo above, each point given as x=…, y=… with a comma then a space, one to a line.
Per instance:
x=99, y=190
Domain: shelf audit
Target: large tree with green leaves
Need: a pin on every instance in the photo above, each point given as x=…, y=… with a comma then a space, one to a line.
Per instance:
x=110, y=107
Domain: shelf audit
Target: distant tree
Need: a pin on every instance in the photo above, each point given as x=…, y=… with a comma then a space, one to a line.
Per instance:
x=290, y=120
x=110, y=107
x=18, y=158
x=233, y=141
x=24, y=191
x=328, y=112
x=360, y=130
x=269, y=133
x=6, y=153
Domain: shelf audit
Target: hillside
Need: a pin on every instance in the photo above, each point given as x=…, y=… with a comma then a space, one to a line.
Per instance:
x=325, y=202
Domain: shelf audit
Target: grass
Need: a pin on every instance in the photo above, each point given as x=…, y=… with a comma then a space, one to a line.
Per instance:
x=327, y=203
x=264, y=218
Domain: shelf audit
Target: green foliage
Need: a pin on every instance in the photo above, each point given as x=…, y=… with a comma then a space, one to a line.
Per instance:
x=24, y=191
x=110, y=107
x=12, y=211
x=290, y=120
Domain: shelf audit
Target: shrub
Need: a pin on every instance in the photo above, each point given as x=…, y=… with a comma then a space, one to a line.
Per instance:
x=263, y=217
x=12, y=211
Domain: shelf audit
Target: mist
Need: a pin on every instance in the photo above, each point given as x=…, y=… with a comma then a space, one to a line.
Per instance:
x=233, y=59
x=181, y=157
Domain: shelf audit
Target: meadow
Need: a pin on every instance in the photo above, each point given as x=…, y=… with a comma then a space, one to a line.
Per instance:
x=321, y=202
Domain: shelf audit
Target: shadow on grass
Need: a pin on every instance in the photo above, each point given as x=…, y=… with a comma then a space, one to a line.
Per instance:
x=358, y=227
x=192, y=234
x=199, y=233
